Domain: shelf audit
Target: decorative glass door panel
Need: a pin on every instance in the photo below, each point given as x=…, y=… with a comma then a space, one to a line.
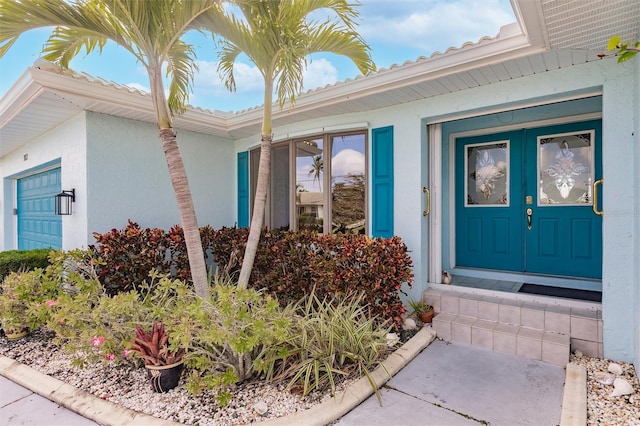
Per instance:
x=566, y=169
x=524, y=201
x=487, y=174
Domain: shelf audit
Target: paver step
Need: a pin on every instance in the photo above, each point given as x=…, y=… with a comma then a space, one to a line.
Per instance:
x=541, y=331
x=532, y=343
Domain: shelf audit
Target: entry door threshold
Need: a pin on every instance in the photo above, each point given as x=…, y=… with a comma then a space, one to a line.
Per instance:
x=521, y=297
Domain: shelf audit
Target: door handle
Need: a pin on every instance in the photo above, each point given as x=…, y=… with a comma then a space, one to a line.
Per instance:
x=529, y=217
x=428, y=210
x=595, y=197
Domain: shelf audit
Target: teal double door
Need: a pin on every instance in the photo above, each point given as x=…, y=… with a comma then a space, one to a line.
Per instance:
x=530, y=200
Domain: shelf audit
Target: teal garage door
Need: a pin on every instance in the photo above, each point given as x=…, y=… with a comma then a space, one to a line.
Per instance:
x=38, y=224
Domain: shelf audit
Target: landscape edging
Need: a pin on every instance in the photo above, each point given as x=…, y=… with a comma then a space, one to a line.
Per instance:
x=107, y=413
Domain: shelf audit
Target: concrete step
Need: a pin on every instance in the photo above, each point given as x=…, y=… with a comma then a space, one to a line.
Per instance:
x=532, y=329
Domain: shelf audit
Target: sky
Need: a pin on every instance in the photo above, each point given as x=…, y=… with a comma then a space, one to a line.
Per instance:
x=396, y=30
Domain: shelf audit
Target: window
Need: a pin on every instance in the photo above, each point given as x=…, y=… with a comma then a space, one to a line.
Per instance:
x=307, y=192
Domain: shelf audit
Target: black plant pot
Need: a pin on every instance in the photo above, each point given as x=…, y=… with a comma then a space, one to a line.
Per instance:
x=164, y=377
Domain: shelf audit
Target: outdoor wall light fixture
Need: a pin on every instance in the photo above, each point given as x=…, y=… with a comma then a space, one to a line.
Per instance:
x=64, y=201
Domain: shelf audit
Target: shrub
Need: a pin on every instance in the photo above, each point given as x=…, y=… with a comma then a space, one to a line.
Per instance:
x=288, y=264
x=327, y=340
x=128, y=256
x=22, y=260
x=227, y=337
x=27, y=296
x=93, y=326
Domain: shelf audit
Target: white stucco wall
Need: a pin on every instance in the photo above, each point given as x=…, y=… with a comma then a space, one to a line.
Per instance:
x=621, y=196
x=134, y=183
x=66, y=143
x=636, y=215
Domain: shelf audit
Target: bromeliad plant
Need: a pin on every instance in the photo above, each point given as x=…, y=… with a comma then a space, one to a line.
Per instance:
x=153, y=347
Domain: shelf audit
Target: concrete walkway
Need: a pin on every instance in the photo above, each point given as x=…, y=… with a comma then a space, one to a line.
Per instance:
x=20, y=406
x=455, y=384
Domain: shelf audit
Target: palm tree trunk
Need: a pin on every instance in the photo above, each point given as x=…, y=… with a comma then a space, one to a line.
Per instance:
x=178, y=175
x=262, y=186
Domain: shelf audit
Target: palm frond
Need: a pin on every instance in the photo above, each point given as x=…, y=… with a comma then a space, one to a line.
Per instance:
x=180, y=68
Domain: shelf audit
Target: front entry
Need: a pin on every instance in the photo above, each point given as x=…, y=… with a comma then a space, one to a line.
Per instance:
x=529, y=200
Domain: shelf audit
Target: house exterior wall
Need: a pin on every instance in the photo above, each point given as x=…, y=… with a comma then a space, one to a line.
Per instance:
x=64, y=145
x=636, y=214
x=618, y=107
x=134, y=184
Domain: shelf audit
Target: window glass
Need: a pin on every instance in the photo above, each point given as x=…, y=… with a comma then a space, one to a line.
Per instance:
x=348, y=184
x=487, y=171
x=310, y=198
x=565, y=169
x=328, y=197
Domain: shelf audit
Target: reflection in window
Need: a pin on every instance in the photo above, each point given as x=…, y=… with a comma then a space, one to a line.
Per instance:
x=309, y=176
x=330, y=196
x=487, y=168
x=348, y=184
x=565, y=169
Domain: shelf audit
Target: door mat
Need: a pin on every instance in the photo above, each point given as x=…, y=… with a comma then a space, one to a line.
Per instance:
x=567, y=293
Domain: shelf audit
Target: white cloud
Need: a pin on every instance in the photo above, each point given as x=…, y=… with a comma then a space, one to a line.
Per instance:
x=433, y=25
x=319, y=73
x=248, y=78
x=347, y=161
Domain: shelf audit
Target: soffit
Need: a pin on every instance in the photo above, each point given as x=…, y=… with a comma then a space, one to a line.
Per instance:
x=588, y=24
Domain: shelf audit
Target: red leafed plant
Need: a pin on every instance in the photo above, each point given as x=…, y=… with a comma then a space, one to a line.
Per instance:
x=153, y=347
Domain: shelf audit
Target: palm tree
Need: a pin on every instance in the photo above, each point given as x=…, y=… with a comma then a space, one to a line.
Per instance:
x=317, y=167
x=277, y=36
x=151, y=31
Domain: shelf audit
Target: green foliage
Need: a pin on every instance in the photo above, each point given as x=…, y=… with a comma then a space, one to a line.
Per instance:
x=327, y=341
x=22, y=260
x=419, y=307
x=624, y=51
x=93, y=326
x=27, y=297
x=226, y=337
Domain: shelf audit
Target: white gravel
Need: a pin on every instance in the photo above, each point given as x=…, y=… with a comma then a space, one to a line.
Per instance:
x=128, y=387
x=603, y=409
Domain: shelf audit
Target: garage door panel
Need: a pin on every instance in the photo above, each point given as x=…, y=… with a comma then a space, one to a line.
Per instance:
x=38, y=224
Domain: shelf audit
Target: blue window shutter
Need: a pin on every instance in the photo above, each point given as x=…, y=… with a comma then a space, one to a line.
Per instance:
x=243, y=189
x=382, y=182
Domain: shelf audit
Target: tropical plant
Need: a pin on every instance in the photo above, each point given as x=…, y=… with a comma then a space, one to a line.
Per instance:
x=18, y=291
x=329, y=341
x=153, y=347
x=419, y=307
x=152, y=32
x=227, y=336
x=277, y=36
